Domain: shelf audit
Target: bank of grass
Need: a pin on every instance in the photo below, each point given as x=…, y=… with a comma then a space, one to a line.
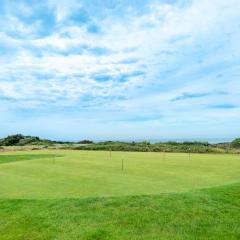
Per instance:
x=206, y=214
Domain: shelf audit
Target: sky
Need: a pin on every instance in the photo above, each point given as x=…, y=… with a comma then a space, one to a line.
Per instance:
x=120, y=69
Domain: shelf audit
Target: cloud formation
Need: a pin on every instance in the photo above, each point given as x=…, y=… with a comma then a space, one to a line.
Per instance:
x=158, y=65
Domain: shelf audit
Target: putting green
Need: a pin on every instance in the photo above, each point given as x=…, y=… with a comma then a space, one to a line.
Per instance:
x=81, y=174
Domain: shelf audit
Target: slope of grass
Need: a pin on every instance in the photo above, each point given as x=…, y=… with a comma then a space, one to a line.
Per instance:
x=205, y=214
x=82, y=174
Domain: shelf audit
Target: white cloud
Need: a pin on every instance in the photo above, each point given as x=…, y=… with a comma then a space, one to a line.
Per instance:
x=178, y=48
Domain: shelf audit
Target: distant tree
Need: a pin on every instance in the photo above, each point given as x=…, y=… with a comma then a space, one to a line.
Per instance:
x=236, y=143
x=12, y=140
x=195, y=143
x=85, y=142
x=173, y=143
x=145, y=143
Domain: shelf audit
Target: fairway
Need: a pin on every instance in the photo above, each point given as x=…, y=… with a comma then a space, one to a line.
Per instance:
x=55, y=174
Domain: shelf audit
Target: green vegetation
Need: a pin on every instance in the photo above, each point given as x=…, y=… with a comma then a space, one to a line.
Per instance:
x=145, y=146
x=16, y=158
x=85, y=142
x=185, y=147
x=66, y=194
x=236, y=143
x=21, y=140
x=205, y=214
x=195, y=147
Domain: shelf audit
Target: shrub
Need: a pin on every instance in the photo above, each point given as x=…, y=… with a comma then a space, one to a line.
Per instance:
x=85, y=142
x=236, y=143
x=12, y=140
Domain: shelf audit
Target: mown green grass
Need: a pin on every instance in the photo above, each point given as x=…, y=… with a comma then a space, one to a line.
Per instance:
x=15, y=158
x=86, y=195
x=76, y=174
x=204, y=214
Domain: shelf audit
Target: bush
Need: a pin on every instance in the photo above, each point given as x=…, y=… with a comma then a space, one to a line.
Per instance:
x=12, y=140
x=85, y=142
x=236, y=143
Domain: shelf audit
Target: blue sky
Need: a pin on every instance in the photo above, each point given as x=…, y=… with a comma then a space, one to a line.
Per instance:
x=120, y=69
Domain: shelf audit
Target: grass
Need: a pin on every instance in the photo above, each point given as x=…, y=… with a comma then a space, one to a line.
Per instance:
x=75, y=174
x=205, y=214
x=23, y=157
x=86, y=195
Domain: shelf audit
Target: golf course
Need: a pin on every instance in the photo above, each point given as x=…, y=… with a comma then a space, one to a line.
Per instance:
x=70, y=194
x=119, y=120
